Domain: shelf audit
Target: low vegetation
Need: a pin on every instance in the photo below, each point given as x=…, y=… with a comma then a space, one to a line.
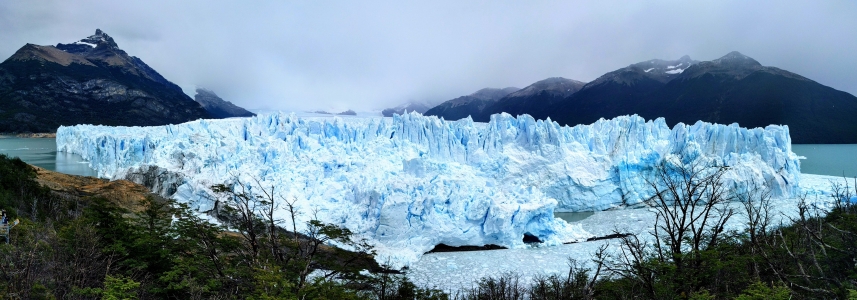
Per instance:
x=75, y=246
x=690, y=255
x=72, y=246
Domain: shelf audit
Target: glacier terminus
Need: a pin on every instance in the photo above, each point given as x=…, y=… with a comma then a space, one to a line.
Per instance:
x=411, y=182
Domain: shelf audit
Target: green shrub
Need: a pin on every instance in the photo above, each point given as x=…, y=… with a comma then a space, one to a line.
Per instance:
x=761, y=291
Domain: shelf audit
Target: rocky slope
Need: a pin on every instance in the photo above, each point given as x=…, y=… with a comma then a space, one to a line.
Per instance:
x=732, y=89
x=124, y=193
x=218, y=107
x=613, y=94
x=532, y=99
x=89, y=81
x=470, y=105
x=738, y=89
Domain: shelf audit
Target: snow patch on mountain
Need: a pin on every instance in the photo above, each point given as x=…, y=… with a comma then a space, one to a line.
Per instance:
x=86, y=44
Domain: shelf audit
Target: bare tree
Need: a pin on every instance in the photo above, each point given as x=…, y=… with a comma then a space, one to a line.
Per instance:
x=244, y=205
x=690, y=201
x=289, y=256
x=756, y=203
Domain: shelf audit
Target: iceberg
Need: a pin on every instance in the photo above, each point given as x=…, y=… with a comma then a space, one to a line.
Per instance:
x=411, y=182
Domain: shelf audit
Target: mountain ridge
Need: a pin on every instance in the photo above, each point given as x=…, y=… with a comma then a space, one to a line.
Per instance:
x=733, y=88
x=470, y=105
x=218, y=107
x=91, y=81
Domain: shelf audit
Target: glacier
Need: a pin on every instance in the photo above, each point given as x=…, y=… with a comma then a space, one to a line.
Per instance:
x=410, y=182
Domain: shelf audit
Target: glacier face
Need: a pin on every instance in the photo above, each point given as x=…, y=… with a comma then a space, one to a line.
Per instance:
x=411, y=182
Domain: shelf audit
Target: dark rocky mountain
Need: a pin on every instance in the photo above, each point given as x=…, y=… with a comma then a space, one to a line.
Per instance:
x=738, y=89
x=470, y=105
x=89, y=81
x=614, y=94
x=407, y=107
x=732, y=89
x=217, y=107
x=532, y=99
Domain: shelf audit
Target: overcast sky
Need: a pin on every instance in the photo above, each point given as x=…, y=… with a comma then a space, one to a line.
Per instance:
x=366, y=55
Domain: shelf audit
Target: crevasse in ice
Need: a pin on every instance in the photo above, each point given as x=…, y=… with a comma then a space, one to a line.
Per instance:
x=411, y=182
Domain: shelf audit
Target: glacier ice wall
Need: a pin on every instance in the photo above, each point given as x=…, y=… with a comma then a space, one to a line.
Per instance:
x=411, y=182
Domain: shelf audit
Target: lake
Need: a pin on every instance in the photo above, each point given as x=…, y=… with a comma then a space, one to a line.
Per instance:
x=42, y=152
x=830, y=160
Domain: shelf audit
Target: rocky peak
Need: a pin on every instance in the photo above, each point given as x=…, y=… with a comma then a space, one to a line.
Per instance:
x=48, y=53
x=218, y=107
x=737, y=59
x=556, y=86
x=99, y=40
x=664, y=70
x=656, y=69
x=491, y=94
x=205, y=94
x=734, y=64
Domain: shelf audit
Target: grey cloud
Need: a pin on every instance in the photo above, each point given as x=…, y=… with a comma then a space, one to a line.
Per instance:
x=363, y=55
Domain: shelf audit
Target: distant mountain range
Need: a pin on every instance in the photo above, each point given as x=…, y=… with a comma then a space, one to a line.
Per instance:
x=731, y=89
x=407, y=107
x=469, y=105
x=94, y=81
x=217, y=107
x=91, y=81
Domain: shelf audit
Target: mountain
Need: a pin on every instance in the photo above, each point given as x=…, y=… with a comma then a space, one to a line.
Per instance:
x=532, y=99
x=217, y=107
x=407, y=107
x=88, y=81
x=732, y=89
x=738, y=89
x=615, y=93
x=470, y=105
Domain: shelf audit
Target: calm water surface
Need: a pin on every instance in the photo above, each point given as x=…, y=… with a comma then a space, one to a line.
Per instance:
x=833, y=160
x=42, y=152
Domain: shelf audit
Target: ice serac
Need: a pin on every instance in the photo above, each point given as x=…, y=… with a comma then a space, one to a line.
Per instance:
x=411, y=182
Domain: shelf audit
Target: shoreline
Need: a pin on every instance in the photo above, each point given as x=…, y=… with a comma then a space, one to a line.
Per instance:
x=36, y=135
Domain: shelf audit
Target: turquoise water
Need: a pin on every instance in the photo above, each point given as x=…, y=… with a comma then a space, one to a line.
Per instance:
x=833, y=160
x=42, y=152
